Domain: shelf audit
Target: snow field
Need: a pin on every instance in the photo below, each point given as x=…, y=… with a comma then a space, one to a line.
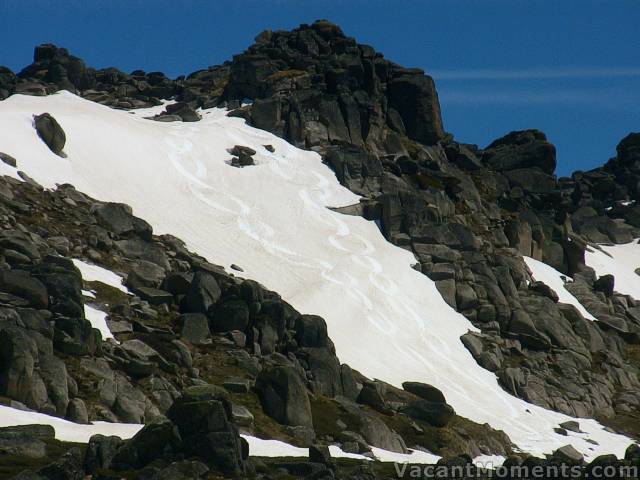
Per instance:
x=386, y=320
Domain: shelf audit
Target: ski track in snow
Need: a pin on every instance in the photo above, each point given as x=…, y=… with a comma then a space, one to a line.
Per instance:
x=386, y=320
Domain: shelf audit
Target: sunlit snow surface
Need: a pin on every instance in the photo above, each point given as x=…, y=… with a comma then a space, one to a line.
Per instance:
x=74, y=432
x=621, y=261
x=553, y=278
x=275, y=448
x=95, y=273
x=386, y=319
x=65, y=430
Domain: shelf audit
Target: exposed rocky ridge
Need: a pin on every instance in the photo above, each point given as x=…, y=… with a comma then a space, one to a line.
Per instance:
x=467, y=214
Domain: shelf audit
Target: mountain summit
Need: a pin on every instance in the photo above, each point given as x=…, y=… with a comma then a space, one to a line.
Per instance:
x=283, y=265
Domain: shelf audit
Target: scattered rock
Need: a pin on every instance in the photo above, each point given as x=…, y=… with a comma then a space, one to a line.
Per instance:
x=320, y=454
x=195, y=328
x=544, y=290
x=521, y=149
x=605, y=284
x=203, y=293
x=424, y=391
x=572, y=426
x=237, y=385
x=8, y=159
x=21, y=284
x=437, y=414
x=568, y=454
x=203, y=417
x=183, y=111
x=51, y=133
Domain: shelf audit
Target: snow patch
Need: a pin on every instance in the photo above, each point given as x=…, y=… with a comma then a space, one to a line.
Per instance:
x=94, y=273
x=66, y=431
x=553, y=278
x=386, y=320
x=98, y=320
x=621, y=261
x=259, y=447
x=414, y=456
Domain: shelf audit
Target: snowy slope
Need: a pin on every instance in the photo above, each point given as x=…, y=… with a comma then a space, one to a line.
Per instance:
x=621, y=261
x=65, y=430
x=386, y=319
x=554, y=279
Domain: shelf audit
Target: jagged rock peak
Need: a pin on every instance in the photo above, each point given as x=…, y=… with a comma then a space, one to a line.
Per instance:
x=629, y=149
x=315, y=86
x=521, y=149
x=56, y=65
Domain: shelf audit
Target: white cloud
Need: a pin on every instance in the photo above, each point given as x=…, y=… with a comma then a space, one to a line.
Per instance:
x=536, y=73
x=617, y=99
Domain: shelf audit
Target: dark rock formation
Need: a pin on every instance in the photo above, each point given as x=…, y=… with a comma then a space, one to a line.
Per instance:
x=51, y=133
x=284, y=396
x=315, y=86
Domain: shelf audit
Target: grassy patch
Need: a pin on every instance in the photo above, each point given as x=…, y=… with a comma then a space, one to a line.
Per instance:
x=216, y=365
x=12, y=465
x=326, y=414
x=106, y=293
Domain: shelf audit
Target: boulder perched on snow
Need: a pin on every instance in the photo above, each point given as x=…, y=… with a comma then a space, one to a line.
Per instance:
x=51, y=133
x=8, y=159
x=181, y=111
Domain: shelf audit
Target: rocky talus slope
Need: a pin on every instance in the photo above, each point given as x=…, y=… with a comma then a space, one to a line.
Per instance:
x=201, y=354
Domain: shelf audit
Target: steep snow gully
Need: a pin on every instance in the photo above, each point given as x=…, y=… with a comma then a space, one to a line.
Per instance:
x=386, y=319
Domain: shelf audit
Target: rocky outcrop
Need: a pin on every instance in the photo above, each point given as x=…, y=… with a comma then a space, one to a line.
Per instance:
x=521, y=150
x=284, y=396
x=315, y=86
x=467, y=214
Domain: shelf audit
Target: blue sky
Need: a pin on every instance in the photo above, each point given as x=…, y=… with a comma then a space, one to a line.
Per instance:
x=570, y=68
